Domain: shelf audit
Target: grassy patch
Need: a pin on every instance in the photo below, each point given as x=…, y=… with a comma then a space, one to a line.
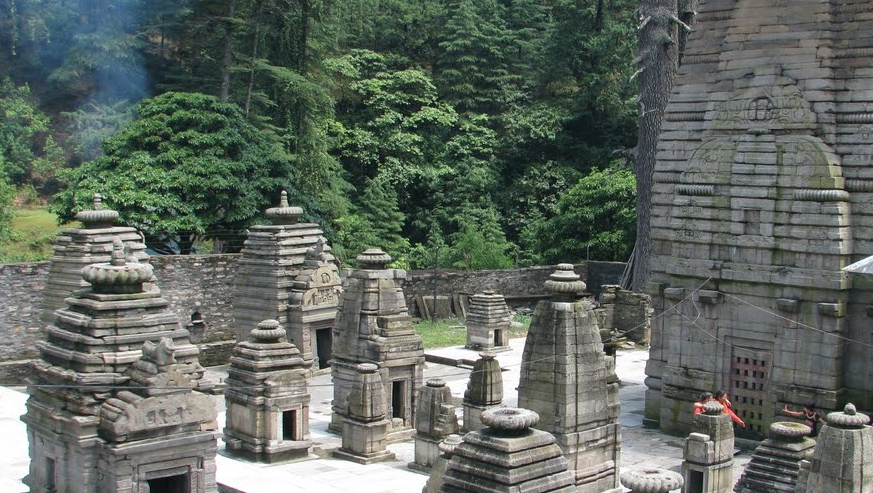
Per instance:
x=33, y=231
x=452, y=332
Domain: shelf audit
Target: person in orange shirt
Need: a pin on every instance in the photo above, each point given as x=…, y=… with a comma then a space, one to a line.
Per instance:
x=722, y=399
x=704, y=398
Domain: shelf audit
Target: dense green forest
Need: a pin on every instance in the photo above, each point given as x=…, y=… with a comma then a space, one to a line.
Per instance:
x=459, y=133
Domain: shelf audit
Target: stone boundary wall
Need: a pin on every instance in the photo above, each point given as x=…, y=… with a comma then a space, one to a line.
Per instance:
x=204, y=284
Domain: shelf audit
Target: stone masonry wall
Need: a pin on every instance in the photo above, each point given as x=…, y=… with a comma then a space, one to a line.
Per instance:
x=204, y=284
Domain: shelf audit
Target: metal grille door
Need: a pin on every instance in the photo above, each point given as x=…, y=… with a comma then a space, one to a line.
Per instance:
x=749, y=380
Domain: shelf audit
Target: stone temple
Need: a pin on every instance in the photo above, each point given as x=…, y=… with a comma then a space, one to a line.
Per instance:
x=763, y=192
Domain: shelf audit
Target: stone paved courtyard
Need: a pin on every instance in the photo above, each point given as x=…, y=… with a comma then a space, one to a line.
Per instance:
x=641, y=447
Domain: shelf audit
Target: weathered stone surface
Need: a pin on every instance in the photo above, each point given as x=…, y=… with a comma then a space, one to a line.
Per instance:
x=269, y=271
x=651, y=480
x=106, y=338
x=565, y=378
x=435, y=419
x=625, y=313
x=441, y=464
x=365, y=423
x=709, y=452
x=373, y=326
x=508, y=456
x=775, y=464
x=841, y=461
x=488, y=321
x=762, y=196
x=484, y=390
x=266, y=399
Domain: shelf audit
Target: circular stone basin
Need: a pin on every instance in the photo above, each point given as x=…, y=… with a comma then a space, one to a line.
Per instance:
x=509, y=418
x=651, y=480
x=789, y=430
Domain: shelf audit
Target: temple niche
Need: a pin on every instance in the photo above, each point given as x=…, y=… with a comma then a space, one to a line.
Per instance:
x=761, y=192
x=274, y=281
x=93, y=348
x=373, y=325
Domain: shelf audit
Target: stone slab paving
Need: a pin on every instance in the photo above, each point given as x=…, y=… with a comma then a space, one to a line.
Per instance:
x=641, y=447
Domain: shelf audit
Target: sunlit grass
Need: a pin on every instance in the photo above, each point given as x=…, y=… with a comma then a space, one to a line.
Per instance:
x=452, y=332
x=33, y=230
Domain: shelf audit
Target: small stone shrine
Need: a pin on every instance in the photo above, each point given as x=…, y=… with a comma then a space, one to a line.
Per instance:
x=841, y=461
x=441, y=465
x=484, y=391
x=266, y=398
x=365, y=423
x=488, y=321
x=708, y=457
x=775, y=464
x=269, y=268
x=87, y=351
x=435, y=419
x=508, y=455
x=159, y=436
x=566, y=379
x=76, y=248
x=373, y=326
x=762, y=193
x=312, y=305
x=651, y=480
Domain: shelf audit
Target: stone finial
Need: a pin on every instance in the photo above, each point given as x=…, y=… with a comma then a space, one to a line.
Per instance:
x=713, y=408
x=119, y=275
x=565, y=282
x=284, y=214
x=374, y=259
x=268, y=331
x=448, y=445
x=511, y=420
x=651, y=480
x=436, y=382
x=97, y=217
x=850, y=418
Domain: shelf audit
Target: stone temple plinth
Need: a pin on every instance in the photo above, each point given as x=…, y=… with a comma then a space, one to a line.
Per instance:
x=841, y=461
x=267, y=400
x=373, y=326
x=76, y=248
x=508, y=455
x=273, y=257
x=484, y=390
x=775, y=464
x=566, y=379
x=85, y=356
x=160, y=435
x=488, y=321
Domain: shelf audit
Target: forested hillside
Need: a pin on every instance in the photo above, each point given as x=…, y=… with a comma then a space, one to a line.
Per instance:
x=465, y=133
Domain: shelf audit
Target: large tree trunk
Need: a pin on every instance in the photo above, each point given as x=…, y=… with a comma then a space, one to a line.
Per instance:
x=227, y=54
x=659, y=55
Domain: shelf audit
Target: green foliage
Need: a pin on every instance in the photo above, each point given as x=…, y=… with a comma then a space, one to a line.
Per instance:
x=91, y=124
x=30, y=236
x=28, y=152
x=189, y=167
x=433, y=253
x=479, y=243
x=7, y=208
x=594, y=219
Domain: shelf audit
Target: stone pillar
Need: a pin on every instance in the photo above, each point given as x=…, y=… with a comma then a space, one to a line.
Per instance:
x=565, y=378
x=267, y=401
x=709, y=452
x=775, y=464
x=435, y=419
x=488, y=322
x=365, y=427
x=87, y=350
x=841, y=461
x=271, y=260
x=160, y=435
x=76, y=248
x=484, y=391
x=373, y=326
x=508, y=455
x=651, y=480
x=441, y=465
